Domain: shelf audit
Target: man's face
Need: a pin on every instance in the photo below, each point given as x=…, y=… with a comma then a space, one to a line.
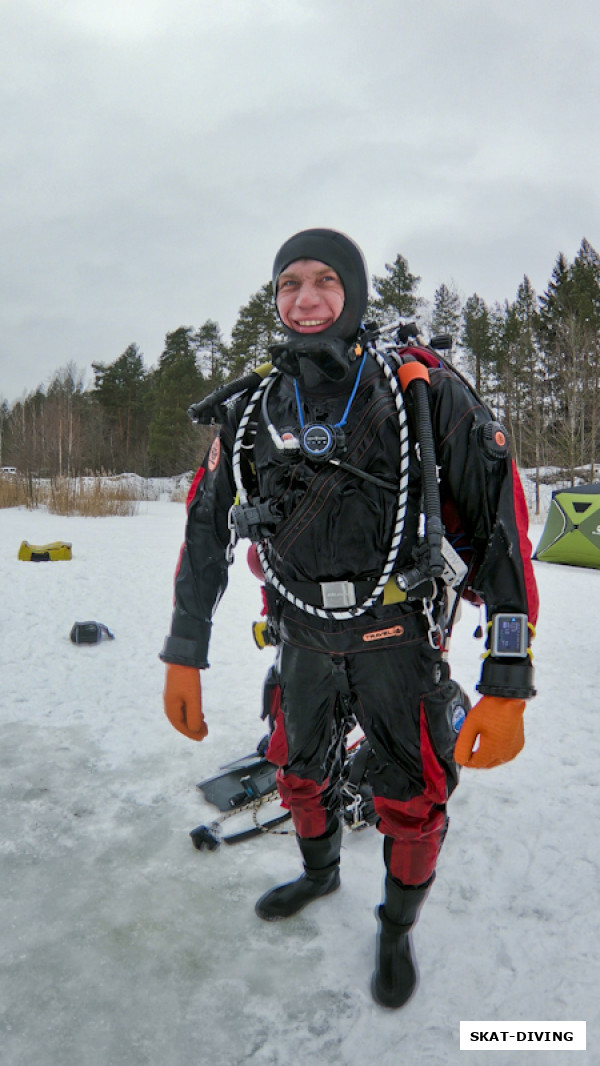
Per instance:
x=310, y=296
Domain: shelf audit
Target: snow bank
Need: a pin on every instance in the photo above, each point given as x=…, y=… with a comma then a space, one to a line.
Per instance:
x=124, y=946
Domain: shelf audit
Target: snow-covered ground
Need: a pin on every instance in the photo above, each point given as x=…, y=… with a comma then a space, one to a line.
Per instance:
x=124, y=946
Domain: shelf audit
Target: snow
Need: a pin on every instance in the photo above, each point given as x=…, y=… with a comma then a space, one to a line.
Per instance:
x=124, y=946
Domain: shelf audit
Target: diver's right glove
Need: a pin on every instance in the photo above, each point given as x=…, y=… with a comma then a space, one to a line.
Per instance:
x=183, y=700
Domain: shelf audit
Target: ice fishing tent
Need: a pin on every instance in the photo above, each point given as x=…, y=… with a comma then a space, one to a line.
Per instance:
x=572, y=531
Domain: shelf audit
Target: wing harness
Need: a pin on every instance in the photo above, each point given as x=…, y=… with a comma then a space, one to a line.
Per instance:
x=246, y=427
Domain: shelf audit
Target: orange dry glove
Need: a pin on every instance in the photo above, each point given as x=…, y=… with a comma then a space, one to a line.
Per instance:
x=499, y=725
x=183, y=701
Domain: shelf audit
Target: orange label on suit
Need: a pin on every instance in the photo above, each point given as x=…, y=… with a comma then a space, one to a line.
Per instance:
x=214, y=455
x=381, y=634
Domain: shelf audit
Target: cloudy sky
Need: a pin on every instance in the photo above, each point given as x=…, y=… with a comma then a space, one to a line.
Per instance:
x=156, y=153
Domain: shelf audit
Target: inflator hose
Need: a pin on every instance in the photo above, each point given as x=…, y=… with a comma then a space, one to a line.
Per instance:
x=434, y=529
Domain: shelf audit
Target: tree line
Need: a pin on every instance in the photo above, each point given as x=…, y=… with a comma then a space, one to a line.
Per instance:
x=534, y=360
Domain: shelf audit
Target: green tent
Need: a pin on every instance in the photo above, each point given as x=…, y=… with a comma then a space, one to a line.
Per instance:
x=572, y=531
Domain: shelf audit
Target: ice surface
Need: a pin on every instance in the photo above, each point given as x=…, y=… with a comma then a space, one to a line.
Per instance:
x=124, y=946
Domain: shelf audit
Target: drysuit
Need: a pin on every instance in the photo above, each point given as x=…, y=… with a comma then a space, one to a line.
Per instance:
x=326, y=526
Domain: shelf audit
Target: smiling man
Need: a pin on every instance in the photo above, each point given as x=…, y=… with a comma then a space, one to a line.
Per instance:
x=334, y=477
x=310, y=296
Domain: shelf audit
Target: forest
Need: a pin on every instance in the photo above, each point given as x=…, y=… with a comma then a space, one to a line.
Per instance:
x=534, y=360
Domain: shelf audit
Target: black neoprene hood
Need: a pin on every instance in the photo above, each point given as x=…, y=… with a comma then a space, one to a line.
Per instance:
x=337, y=251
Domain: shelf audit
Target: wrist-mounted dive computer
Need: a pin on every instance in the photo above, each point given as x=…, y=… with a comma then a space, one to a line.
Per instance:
x=510, y=636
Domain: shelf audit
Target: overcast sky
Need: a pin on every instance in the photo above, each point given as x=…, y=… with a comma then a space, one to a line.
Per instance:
x=156, y=153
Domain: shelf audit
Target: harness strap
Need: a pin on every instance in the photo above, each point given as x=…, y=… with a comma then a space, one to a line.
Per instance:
x=316, y=594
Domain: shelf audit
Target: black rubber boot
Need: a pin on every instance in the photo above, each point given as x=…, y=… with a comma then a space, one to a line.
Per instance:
x=321, y=876
x=396, y=975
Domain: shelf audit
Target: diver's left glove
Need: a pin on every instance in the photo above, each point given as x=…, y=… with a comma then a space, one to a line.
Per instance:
x=498, y=723
x=183, y=700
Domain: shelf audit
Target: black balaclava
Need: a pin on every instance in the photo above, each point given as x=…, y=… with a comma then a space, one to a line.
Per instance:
x=331, y=351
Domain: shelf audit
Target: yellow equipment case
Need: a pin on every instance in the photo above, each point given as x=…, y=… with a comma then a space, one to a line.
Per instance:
x=45, y=553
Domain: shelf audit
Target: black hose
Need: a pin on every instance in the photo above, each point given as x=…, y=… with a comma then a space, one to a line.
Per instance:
x=434, y=529
x=207, y=410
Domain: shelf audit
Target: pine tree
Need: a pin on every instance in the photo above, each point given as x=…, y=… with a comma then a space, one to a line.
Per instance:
x=257, y=327
x=176, y=383
x=519, y=375
x=446, y=314
x=585, y=275
x=396, y=292
x=476, y=339
x=211, y=352
x=556, y=302
x=526, y=311
x=569, y=329
x=121, y=390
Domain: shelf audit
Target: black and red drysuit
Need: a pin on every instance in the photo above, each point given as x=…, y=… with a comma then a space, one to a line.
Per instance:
x=330, y=524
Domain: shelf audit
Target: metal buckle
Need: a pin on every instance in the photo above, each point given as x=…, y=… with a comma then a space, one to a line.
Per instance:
x=435, y=635
x=233, y=538
x=338, y=594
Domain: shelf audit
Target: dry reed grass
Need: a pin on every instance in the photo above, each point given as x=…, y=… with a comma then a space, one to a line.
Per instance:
x=91, y=497
x=13, y=491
